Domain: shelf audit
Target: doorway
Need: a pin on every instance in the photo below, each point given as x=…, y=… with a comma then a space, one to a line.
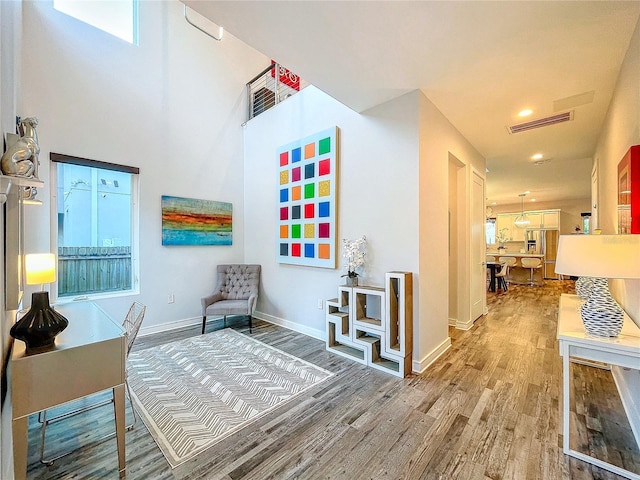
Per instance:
x=467, y=296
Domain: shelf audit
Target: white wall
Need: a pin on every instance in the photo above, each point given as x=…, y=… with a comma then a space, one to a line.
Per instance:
x=172, y=106
x=10, y=77
x=377, y=197
x=439, y=141
x=160, y=107
x=621, y=130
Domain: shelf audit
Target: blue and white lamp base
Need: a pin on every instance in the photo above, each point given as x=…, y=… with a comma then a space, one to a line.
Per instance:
x=583, y=287
x=601, y=314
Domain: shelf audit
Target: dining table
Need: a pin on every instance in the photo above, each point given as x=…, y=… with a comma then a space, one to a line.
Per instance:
x=494, y=268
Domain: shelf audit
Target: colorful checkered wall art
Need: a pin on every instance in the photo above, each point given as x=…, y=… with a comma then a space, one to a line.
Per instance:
x=307, y=200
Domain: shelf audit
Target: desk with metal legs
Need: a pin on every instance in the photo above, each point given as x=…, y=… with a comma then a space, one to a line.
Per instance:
x=88, y=357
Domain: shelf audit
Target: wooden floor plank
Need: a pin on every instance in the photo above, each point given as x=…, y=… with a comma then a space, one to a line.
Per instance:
x=487, y=409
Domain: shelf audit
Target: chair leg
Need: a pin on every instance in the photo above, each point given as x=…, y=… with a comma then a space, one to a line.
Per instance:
x=204, y=322
x=224, y=321
x=250, y=324
x=133, y=410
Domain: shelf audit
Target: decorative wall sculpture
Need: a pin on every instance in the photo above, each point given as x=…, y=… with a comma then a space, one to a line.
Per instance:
x=187, y=221
x=21, y=156
x=308, y=200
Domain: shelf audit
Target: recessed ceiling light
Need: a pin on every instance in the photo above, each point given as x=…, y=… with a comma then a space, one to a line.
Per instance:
x=533, y=199
x=494, y=203
x=525, y=113
x=537, y=156
x=527, y=192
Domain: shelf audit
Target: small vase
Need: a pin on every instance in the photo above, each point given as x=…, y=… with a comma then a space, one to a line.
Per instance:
x=352, y=281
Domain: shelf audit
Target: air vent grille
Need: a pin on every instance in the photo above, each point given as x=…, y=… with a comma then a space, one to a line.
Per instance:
x=541, y=122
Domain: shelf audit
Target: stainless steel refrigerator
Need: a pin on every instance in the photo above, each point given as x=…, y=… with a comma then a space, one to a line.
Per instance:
x=544, y=242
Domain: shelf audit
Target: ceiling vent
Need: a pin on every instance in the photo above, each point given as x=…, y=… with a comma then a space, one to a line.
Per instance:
x=541, y=122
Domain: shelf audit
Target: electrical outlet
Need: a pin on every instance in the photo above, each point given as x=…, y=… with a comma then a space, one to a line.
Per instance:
x=171, y=298
x=320, y=304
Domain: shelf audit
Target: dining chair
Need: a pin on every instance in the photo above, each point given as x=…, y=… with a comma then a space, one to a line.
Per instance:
x=510, y=262
x=500, y=277
x=532, y=264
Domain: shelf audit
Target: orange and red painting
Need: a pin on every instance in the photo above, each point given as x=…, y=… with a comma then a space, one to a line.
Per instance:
x=188, y=221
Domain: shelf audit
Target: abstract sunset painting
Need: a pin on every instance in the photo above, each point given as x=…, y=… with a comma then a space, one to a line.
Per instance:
x=189, y=221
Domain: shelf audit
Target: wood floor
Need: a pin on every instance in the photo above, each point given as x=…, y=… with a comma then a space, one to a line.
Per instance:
x=488, y=409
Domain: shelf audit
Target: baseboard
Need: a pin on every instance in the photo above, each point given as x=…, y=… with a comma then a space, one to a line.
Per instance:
x=165, y=327
x=464, y=325
x=190, y=322
x=417, y=366
x=422, y=365
x=296, y=327
x=454, y=322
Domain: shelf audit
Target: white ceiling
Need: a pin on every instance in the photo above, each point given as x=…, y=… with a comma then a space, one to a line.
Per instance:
x=479, y=62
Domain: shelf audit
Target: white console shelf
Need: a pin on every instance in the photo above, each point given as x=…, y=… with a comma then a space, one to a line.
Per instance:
x=620, y=353
x=373, y=325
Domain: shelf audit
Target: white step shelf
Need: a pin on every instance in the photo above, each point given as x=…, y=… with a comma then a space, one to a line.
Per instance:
x=374, y=325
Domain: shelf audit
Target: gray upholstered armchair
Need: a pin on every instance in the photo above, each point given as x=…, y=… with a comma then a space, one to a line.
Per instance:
x=236, y=293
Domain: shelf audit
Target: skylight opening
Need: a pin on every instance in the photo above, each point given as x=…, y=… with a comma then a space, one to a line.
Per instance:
x=116, y=17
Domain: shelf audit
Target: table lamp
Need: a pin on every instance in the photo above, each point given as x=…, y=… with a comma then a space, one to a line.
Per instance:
x=600, y=257
x=39, y=326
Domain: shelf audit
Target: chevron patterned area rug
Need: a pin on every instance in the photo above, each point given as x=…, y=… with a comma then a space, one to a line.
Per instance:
x=194, y=392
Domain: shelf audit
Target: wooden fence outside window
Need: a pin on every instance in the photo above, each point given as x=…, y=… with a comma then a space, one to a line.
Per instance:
x=83, y=270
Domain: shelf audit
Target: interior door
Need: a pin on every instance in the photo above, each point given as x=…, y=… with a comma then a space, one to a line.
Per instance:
x=478, y=247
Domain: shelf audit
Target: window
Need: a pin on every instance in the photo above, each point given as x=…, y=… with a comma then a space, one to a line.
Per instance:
x=117, y=17
x=95, y=226
x=490, y=231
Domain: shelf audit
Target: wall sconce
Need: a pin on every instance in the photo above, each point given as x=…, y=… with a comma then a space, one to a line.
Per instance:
x=600, y=257
x=40, y=325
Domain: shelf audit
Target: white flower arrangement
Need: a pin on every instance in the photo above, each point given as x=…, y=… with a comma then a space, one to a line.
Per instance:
x=502, y=236
x=355, y=252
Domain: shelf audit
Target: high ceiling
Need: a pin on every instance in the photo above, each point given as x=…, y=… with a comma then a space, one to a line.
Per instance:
x=480, y=63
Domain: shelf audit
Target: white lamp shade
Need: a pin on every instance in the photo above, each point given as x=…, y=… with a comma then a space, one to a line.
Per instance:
x=40, y=268
x=606, y=256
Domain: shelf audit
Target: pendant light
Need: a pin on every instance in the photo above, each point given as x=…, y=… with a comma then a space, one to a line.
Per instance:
x=521, y=220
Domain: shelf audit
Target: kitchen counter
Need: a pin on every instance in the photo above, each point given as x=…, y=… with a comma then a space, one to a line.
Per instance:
x=518, y=273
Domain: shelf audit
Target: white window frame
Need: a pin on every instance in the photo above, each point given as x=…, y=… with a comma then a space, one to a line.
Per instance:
x=135, y=233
